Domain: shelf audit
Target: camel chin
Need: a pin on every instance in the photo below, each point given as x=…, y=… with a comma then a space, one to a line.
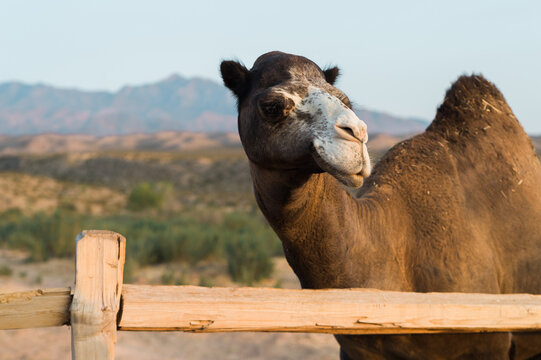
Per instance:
x=346, y=161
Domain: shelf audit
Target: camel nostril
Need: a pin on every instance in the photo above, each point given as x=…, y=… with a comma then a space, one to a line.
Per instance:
x=349, y=133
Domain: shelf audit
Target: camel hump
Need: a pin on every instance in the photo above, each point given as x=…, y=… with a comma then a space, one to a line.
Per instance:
x=471, y=88
x=473, y=103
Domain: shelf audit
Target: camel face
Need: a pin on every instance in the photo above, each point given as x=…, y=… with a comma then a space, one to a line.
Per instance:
x=292, y=117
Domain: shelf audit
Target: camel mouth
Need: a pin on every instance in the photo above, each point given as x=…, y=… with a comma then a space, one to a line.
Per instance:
x=351, y=174
x=349, y=180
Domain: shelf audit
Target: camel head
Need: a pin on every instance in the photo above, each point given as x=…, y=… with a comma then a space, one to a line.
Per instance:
x=291, y=117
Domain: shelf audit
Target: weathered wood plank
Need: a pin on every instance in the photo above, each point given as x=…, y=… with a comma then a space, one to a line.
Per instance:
x=98, y=284
x=35, y=308
x=354, y=311
x=340, y=311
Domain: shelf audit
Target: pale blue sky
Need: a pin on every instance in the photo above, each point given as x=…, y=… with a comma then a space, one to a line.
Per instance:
x=395, y=56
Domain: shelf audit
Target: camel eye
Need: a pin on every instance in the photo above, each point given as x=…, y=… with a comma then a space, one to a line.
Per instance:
x=272, y=108
x=276, y=107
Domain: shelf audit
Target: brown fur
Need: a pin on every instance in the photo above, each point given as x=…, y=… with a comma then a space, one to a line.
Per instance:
x=455, y=209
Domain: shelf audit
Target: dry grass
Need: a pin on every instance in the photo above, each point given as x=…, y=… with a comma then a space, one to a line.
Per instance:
x=99, y=183
x=35, y=193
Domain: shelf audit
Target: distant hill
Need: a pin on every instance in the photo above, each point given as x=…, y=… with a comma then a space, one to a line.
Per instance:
x=175, y=103
x=383, y=123
x=170, y=141
x=160, y=141
x=77, y=143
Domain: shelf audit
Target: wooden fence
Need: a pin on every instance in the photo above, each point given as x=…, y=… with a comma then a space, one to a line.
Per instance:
x=100, y=304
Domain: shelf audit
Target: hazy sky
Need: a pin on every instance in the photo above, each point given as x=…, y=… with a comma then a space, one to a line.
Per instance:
x=395, y=56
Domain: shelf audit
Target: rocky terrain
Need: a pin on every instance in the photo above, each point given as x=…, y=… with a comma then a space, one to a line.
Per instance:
x=174, y=103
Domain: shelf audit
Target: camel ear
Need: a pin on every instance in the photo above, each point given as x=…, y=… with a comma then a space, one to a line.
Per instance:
x=235, y=76
x=331, y=74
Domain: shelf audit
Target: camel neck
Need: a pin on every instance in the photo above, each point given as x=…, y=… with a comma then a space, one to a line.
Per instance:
x=307, y=212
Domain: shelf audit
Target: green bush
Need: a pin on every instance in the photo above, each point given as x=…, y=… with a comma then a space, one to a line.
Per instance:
x=45, y=236
x=206, y=281
x=246, y=261
x=169, y=277
x=5, y=270
x=243, y=240
x=249, y=248
x=146, y=196
x=130, y=267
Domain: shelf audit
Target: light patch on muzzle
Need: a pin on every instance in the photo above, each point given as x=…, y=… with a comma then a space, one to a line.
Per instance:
x=339, y=136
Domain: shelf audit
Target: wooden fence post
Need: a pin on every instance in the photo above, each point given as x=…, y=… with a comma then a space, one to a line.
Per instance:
x=99, y=262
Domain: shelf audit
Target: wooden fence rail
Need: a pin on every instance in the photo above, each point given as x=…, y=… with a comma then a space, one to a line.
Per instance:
x=100, y=304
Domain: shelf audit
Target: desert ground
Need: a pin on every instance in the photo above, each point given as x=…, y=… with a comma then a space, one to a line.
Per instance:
x=200, y=197
x=54, y=343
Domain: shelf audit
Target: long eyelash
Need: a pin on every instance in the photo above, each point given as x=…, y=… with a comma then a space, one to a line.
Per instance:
x=345, y=100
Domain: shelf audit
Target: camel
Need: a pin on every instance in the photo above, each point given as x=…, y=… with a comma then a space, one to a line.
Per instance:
x=454, y=209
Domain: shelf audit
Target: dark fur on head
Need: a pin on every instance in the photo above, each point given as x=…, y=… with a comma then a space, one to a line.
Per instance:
x=331, y=74
x=236, y=77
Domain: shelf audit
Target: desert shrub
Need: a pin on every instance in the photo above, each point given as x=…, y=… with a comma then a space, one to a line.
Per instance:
x=243, y=240
x=247, y=262
x=5, y=270
x=44, y=236
x=206, y=281
x=170, y=277
x=9, y=222
x=38, y=279
x=253, y=223
x=249, y=245
x=130, y=267
x=147, y=196
x=200, y=242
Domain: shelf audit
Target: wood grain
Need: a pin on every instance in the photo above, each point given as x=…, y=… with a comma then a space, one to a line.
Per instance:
x=96, y=299
x=35, y=308
x=338, y=311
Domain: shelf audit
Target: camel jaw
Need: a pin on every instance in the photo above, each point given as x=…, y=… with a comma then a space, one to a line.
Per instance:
x=349, y=173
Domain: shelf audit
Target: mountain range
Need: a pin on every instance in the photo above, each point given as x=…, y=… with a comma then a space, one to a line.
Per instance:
x=175, y=103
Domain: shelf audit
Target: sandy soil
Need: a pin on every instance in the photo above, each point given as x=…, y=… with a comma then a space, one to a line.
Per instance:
x=54, y=343
x=31, y=194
